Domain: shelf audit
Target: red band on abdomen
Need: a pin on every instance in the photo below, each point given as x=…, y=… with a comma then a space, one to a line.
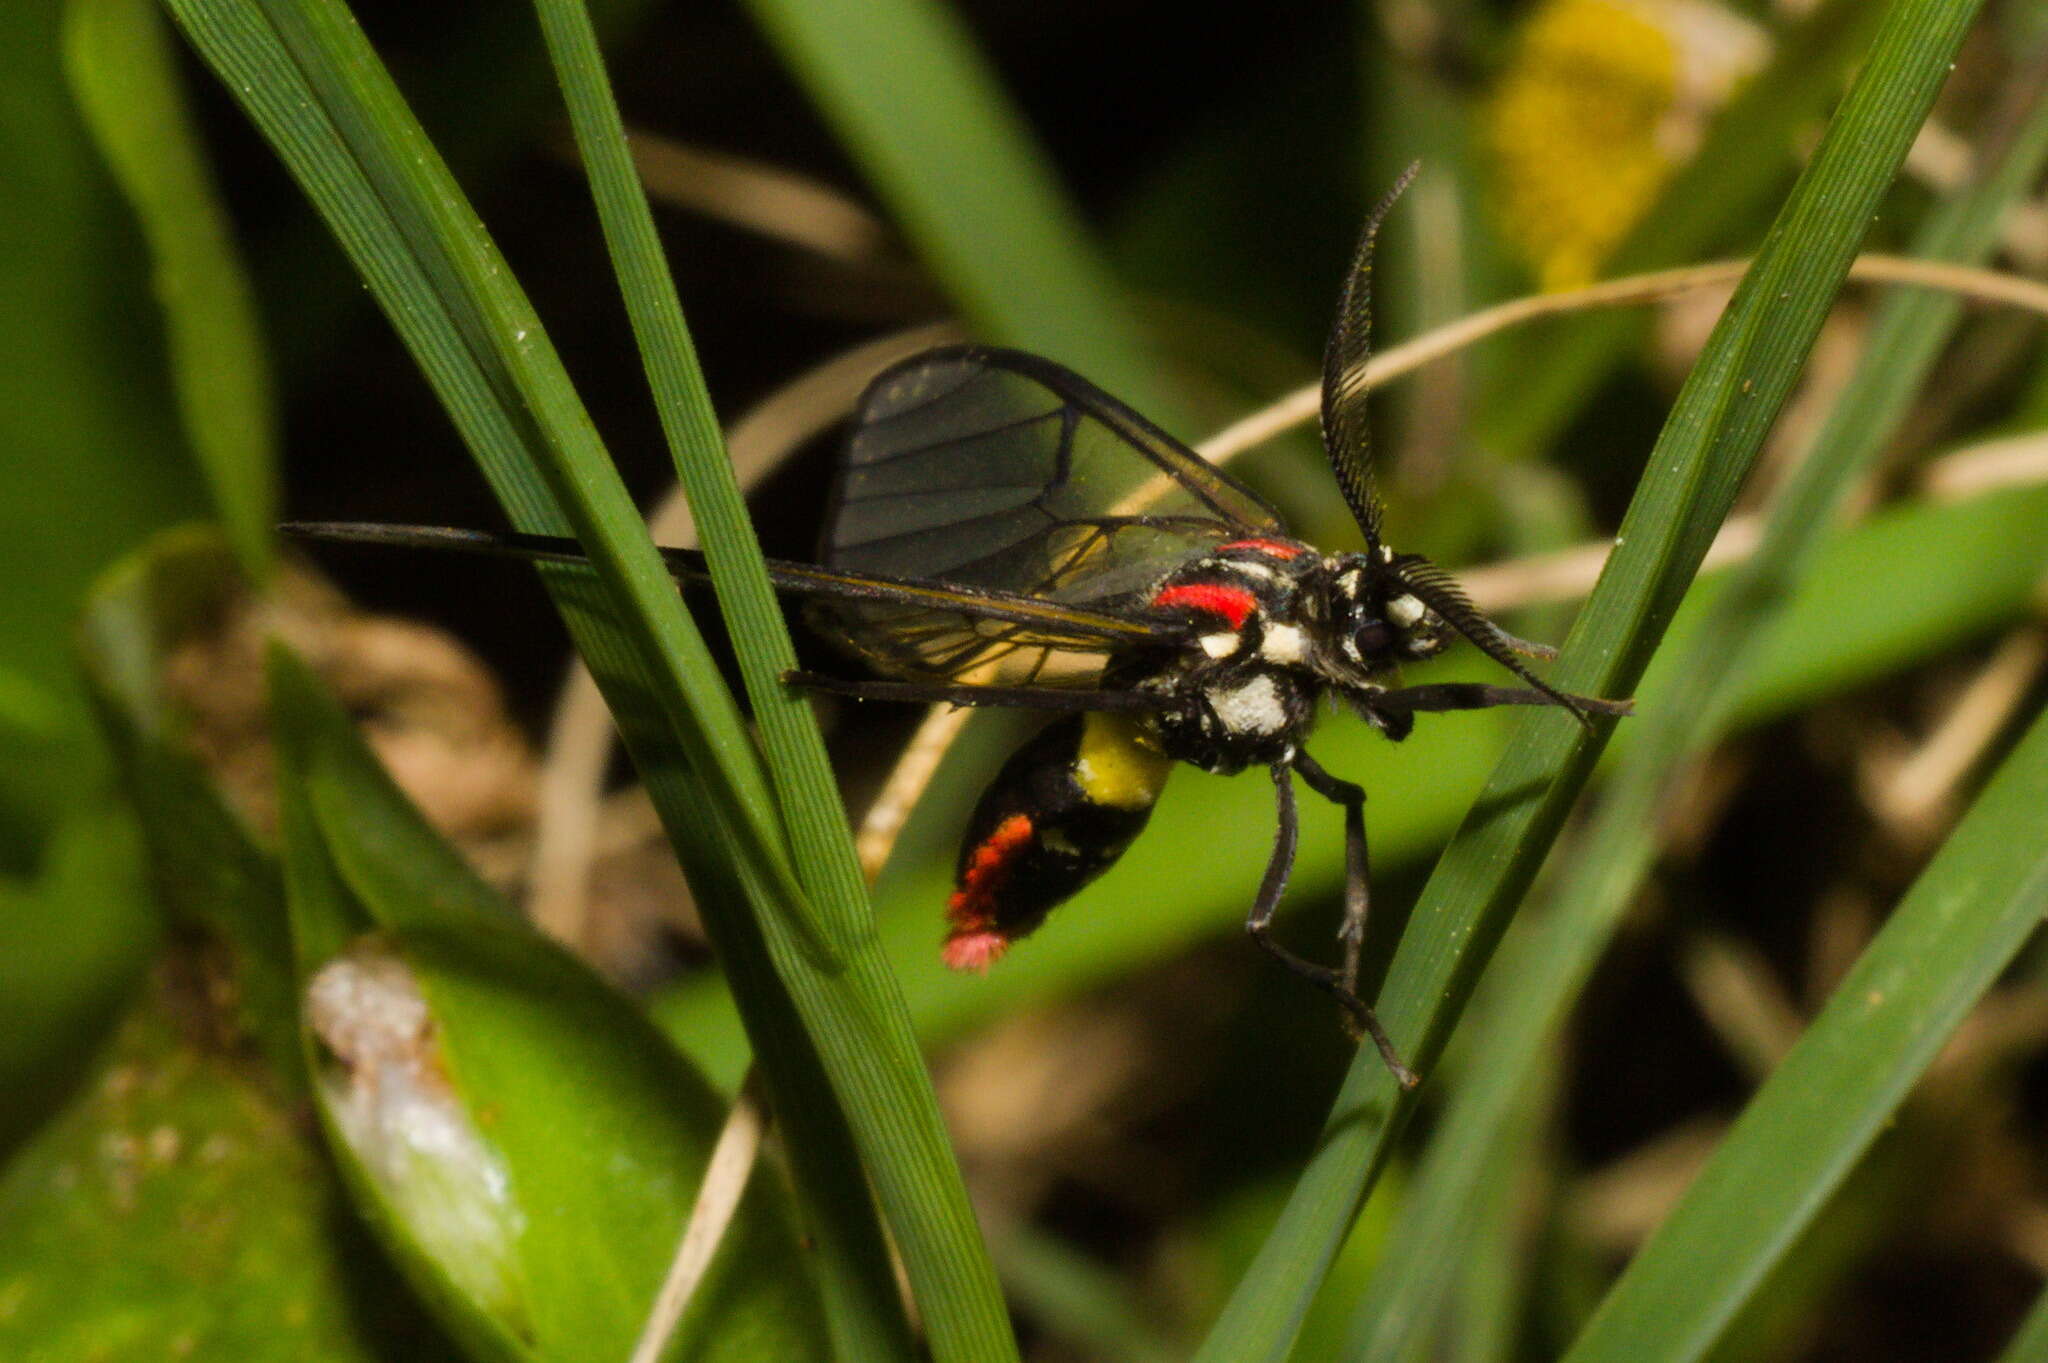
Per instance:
x=975, y=941
x=972, y=903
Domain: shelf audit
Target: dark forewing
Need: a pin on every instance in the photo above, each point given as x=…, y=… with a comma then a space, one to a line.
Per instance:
x=1000, y=471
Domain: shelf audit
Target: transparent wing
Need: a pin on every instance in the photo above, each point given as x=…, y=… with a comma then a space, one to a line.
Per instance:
x=995, y=470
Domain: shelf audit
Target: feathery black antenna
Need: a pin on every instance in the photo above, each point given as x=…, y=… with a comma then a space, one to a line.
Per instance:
x=1347, y=433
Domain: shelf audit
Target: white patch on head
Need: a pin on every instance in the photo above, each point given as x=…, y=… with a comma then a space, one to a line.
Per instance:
x=1349, y=582
x=1283, y=644
x=1404, y=611
x=1221, y=645
x=1254, y=707
x=1386, y=553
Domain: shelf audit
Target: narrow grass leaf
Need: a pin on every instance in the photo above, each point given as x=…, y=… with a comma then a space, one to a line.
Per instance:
x=1540, y=971
x=313, y=87
x=1076, y=1299
x=1708, y=444
x=1961, y=923
x=120, y=61
x=859, y=1019
x=310, y=82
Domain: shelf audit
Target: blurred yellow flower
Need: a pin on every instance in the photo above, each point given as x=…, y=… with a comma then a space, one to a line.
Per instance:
x=1602, y=101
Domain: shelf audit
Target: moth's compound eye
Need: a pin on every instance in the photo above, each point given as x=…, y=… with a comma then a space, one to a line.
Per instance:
x=1373, y=638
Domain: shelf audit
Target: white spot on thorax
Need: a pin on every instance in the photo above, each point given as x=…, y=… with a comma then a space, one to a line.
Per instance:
x=1251, y=567
x=1252, y=707
x=1404, y=610
x=1220, y=645
x=1283, y=644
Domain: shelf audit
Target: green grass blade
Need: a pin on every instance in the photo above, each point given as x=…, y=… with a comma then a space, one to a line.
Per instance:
x=1076, y=1299
x=1540, y=972
x=859, y=1018
x=311, y=83
x=910, y=97
x=314, y=88
x=121, y=65
x=1708, y=444
x=1961, y=923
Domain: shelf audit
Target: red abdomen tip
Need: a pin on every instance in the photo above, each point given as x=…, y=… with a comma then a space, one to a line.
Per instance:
x=974, y=949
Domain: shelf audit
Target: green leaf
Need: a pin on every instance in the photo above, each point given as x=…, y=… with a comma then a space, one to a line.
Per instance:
x=1962, y=922
x=72, y=944
x=519, y=1133
x=178, y=1206
x=205, y=868
x=1713, y=434
x=27, y=710
x=94, y=458
x=120, y=61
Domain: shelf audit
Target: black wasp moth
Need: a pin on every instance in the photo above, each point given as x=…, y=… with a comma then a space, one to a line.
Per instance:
x=1004, y=533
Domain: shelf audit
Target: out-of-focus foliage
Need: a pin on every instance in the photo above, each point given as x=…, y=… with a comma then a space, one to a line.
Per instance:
x=94, y=459
x=1600, y=103
x=179, y=1207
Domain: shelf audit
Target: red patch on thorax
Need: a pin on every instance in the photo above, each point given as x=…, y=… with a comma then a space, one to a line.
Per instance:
x=1281, y=549
x=1217, y=598
x=975, y=941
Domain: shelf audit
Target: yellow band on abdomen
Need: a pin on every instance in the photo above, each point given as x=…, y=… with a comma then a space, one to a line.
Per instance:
x=1113, y=768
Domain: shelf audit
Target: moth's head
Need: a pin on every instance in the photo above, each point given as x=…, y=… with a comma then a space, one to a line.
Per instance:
x=1376, y=621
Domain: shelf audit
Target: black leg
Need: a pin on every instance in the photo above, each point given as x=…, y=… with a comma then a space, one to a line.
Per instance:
x=1476, y=696
x=1278, y=866
x=1259, y=923
x=1357, y=870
